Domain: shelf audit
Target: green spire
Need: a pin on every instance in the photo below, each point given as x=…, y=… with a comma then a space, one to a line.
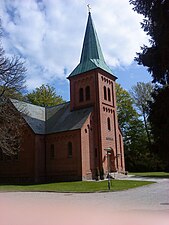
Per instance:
x=91, y=56
x=91, y=47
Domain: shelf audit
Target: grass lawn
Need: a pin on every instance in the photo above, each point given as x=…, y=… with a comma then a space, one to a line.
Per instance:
x=152, y=174
x=80, y=186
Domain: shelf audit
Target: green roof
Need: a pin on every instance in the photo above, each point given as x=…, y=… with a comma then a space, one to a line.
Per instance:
x=91, y=56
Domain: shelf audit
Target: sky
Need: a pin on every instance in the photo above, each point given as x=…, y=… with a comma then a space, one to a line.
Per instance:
x=48, y=35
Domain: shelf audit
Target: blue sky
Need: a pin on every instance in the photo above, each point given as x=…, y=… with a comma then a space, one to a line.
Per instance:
x=49, y=34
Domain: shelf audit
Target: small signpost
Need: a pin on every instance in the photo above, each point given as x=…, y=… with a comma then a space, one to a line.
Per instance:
x=108, y=151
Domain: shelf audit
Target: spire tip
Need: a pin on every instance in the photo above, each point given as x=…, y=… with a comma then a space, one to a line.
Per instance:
x=89, y=8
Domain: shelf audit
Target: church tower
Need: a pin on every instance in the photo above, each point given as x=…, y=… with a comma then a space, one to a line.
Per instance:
x=92, y=84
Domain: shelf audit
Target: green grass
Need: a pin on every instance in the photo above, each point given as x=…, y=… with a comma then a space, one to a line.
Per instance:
x=152, y=174
x=80, y=186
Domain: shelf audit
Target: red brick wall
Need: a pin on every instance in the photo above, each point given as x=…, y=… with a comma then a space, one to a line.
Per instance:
x=61, y=166
x=40, y=161
x=121, y=156
x=21, y=169
x=81, y=81
x=88, y=149
x=102, y=109
x=109, y=138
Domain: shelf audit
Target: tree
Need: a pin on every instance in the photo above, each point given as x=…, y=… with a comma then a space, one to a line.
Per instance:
x=156, y=58
x=12, y=79
x=12, y=74
x=159, y=120
x=138, y=155
x=44, y=96
x=142, y=95
x=156, y=25
x=11, y=128
x=125, y=109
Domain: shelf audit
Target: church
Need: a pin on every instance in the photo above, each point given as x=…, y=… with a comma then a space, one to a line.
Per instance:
x=76, y=140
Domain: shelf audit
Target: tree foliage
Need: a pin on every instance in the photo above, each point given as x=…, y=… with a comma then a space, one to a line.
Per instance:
x=125, y=110
x=159, y=118
x=142, y=95
x=138, y=156
x=12, y=79
x=11, y=128
x=44, y=96
x=12, y=74
x=134, y=136
x=156, y=25
x=156, y=58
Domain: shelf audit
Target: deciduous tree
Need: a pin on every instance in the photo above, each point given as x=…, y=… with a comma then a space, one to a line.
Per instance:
x=45, y=95
x=138, y=156
x=12, y=79
x=142, y=95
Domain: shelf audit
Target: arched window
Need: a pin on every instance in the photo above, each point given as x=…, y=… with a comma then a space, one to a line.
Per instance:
x=1, y=154
x=52, y=151
x=81, y=97
x=105, y=93
x=87, y=93
x=108, y=124
x=109, y=97
x=69, y=149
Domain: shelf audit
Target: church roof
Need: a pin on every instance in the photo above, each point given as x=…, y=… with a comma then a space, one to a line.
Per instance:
x=34, y=115
x=60, y=118
x=91, y=56
x=52, y=119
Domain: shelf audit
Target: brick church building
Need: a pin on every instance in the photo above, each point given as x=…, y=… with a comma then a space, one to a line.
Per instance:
x=77, y=140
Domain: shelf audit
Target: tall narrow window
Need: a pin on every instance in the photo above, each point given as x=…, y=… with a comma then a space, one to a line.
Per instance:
x=96, y=152
x=105, y=93
x=52, y=151
x=109, y=97
x=81, y=97
x=121, y=150
x=108, y=124
x=69, y=149
x=16, y=155
x=1, y=154
x=115, y=134
x=112, y=95
x=87, y=93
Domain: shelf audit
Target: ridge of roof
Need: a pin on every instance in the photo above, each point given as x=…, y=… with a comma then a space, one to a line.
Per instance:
x=64, y=103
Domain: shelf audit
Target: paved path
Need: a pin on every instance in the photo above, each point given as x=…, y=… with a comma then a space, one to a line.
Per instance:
x=43, y=208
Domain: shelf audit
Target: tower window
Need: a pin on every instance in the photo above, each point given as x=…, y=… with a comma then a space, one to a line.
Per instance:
x=108, y=124
x=109, y=97
x=81, y=97
x=69, y=149
x=87, y=93
x=105, y=93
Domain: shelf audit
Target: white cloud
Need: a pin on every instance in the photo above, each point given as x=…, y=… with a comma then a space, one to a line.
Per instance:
x=49, y=34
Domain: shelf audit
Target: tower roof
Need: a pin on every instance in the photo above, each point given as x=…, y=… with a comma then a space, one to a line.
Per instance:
x=91, y=56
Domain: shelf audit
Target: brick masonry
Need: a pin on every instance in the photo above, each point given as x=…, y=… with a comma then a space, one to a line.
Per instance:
x=47, y=157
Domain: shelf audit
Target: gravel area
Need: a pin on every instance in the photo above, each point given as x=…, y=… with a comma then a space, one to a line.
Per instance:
x=38, y=208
